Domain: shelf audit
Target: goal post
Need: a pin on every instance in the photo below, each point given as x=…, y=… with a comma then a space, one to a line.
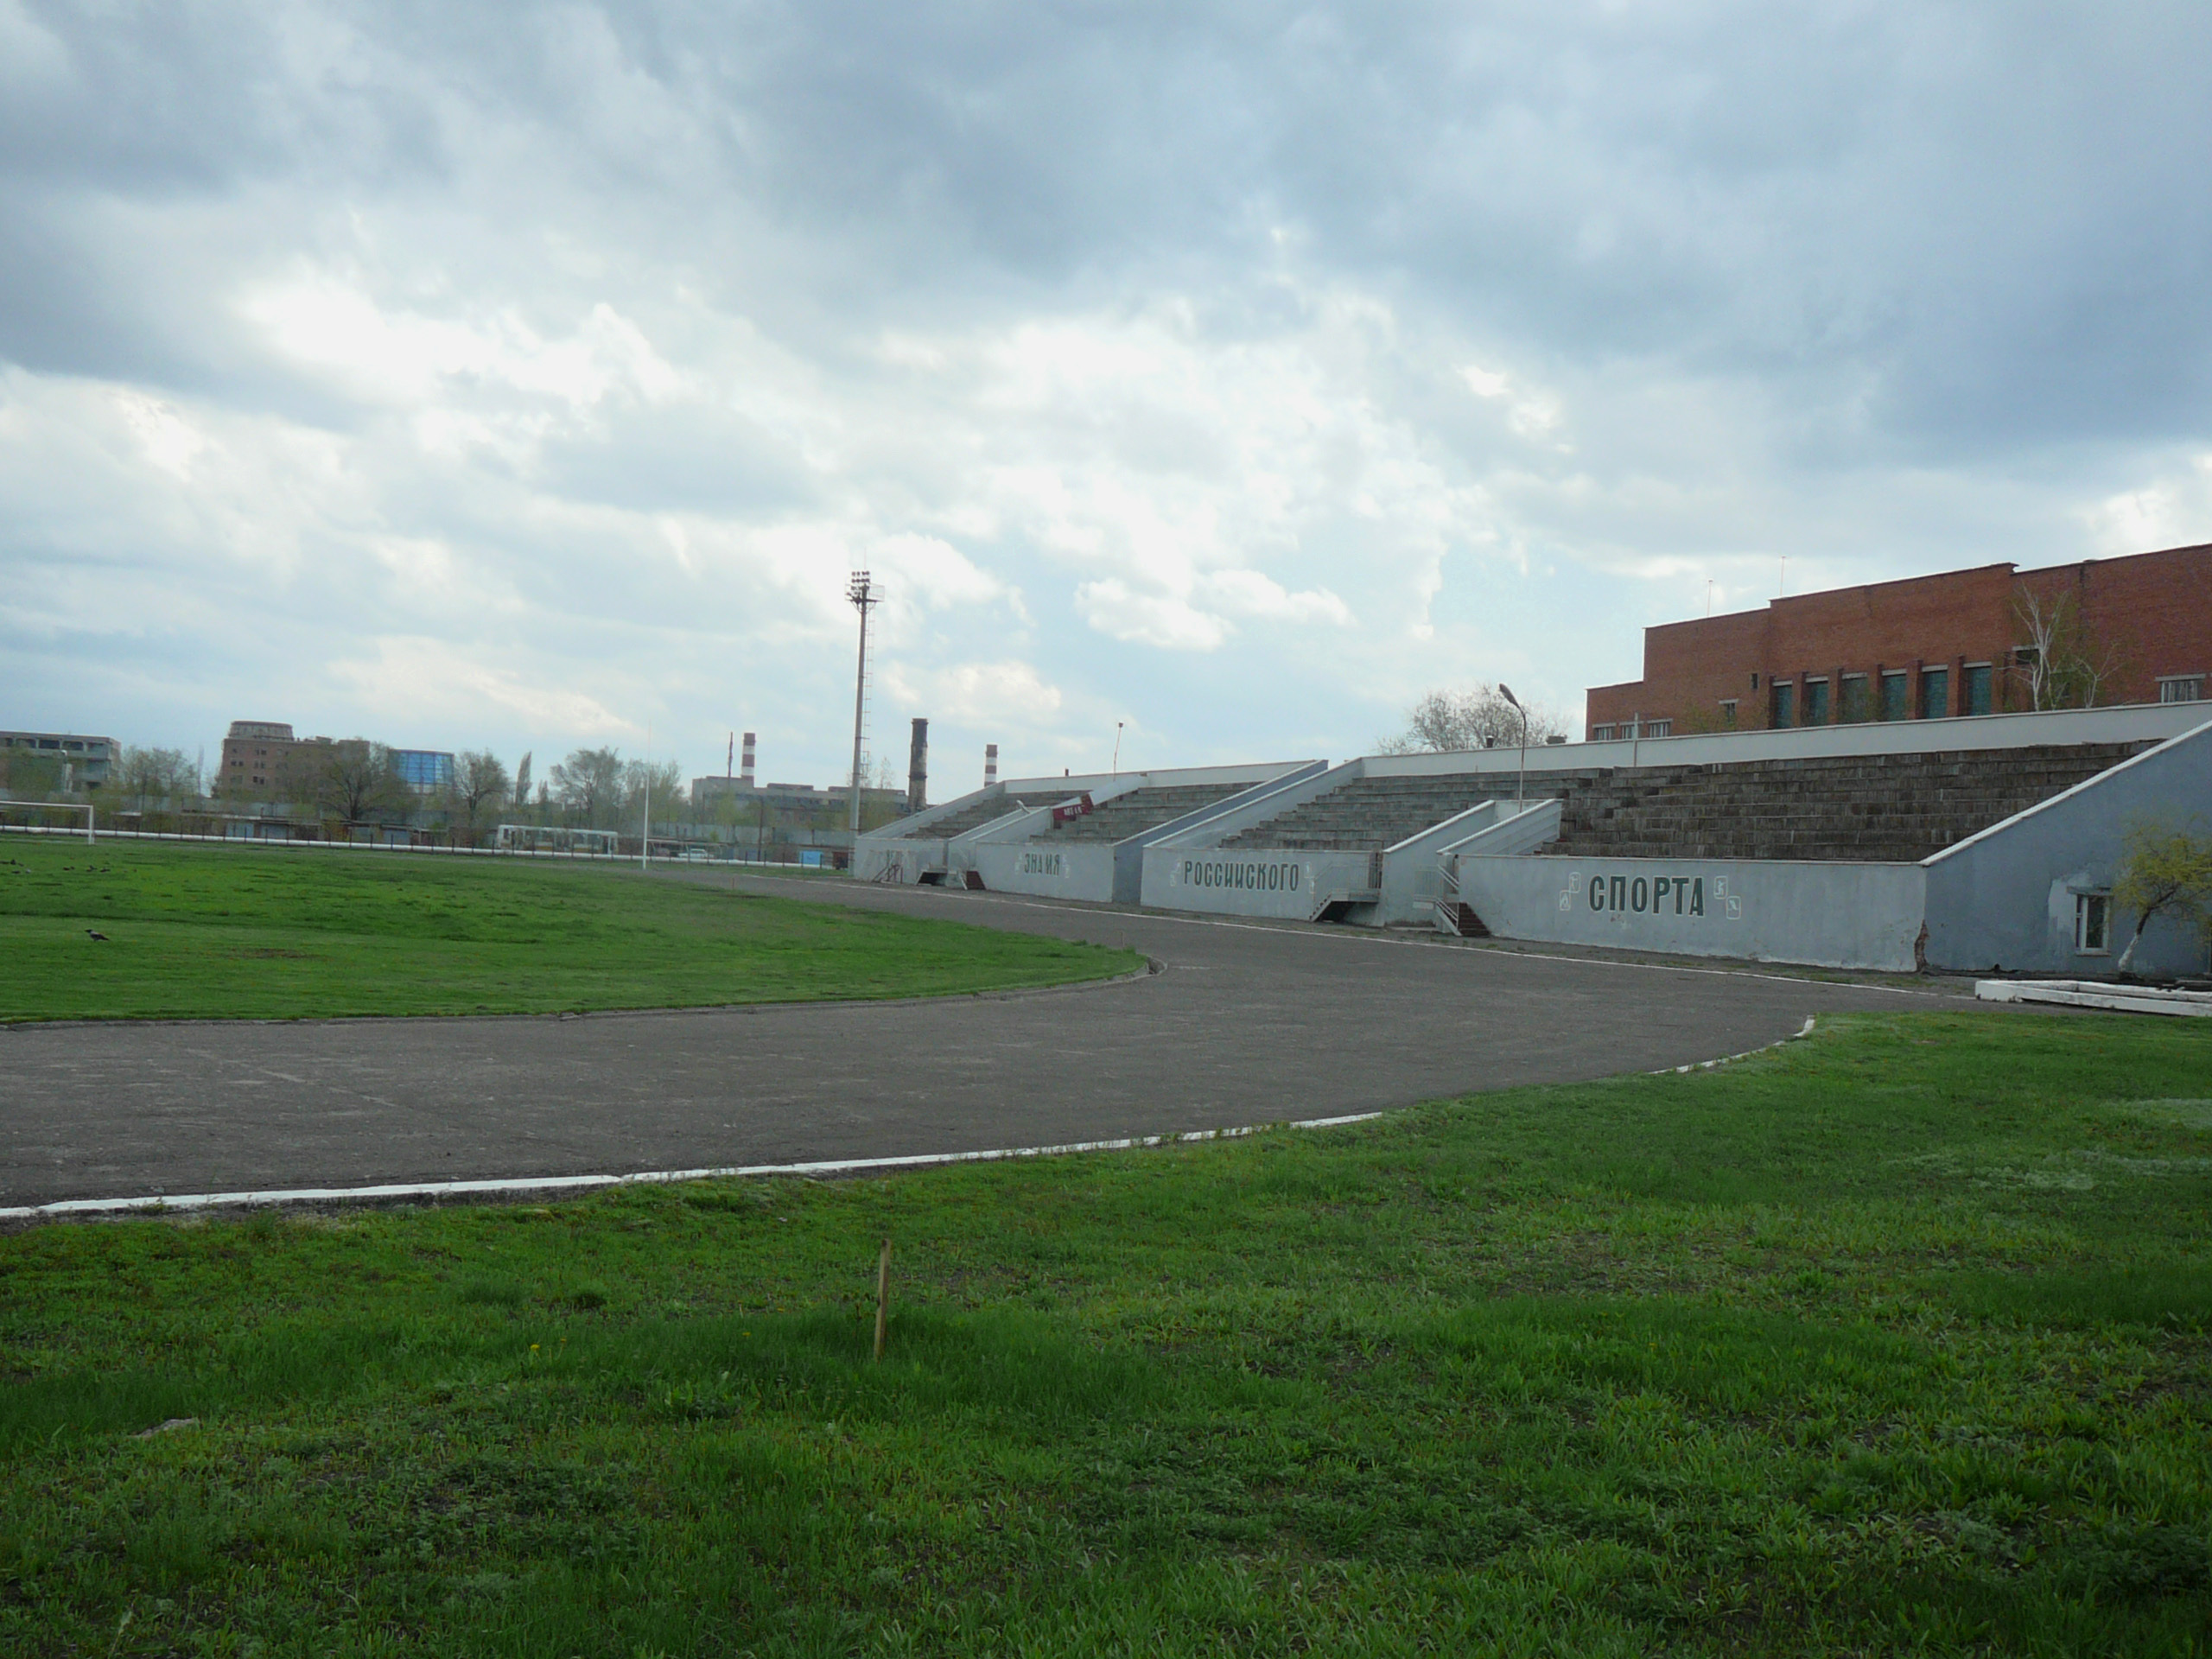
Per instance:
x=30, y=817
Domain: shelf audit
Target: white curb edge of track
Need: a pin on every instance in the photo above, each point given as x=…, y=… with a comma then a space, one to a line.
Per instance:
x=1804, y=1031
x=162, y=1204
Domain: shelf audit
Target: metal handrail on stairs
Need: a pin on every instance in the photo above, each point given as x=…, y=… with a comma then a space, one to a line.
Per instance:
x=1452, y=912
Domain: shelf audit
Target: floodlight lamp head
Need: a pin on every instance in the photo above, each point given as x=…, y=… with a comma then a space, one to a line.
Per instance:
x=1506, y=691
x=861, y=590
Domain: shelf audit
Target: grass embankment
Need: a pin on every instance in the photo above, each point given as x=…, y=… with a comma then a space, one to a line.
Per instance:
x=272, y=933
x=1896, y=1338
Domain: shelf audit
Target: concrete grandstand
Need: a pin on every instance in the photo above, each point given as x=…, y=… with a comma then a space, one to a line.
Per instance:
x=1966, y=844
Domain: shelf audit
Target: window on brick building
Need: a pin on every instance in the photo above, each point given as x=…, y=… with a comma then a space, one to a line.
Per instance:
x=1728, y=712
x=1785, y=693
x=1934, y=693
x=1894, y=685
x=2182, y=688
x=1976, y=688
x=1659, y=729
x=1855, y=703
x=1816, y=702
x=1601, y=734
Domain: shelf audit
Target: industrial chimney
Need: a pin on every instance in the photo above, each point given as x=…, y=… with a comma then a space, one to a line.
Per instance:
x=990, y=764
x=918, y=768
x=745, y=777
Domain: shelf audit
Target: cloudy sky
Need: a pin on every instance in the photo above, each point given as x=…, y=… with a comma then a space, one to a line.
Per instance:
x=531, y=376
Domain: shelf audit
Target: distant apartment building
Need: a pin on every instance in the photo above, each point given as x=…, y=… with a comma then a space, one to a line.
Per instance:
x=88, y=758
x=262, y=756
x=2130, y=629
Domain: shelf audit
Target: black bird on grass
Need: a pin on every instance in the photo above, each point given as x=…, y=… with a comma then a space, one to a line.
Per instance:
x=94, y=933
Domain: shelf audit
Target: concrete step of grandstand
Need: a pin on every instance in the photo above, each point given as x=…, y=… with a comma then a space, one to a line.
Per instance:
x=1141, y=809
x=1884, y=808
x=1370, y=813
x=1823, y=807
x=976, y=817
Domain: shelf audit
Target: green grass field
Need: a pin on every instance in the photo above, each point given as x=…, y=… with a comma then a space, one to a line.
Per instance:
x=1896, y=1340
x=213, y=932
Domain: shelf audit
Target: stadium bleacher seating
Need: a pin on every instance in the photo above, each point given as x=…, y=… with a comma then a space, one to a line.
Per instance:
x=1140, y=810
x=1885, y=807
x=981, y=813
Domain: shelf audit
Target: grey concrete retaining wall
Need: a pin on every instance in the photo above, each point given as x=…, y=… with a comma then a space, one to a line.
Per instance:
x=1829, y=915
x=1249, y=881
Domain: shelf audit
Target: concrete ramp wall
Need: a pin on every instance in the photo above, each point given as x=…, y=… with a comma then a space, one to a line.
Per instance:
x=2007, y=897
x=1825, y=914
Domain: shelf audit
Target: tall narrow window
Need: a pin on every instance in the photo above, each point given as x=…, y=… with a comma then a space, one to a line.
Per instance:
x=1728, y=713
x=1854, y=704
x=1816, y=702
x=1785, y=700
x=1893, y=694
x=2093, y=923
x=1976, y=687
x=1934, y=693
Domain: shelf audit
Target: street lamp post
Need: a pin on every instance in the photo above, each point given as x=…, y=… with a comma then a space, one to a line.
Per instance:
x=1521, y=786
x=1117, y=746
x=863, y=592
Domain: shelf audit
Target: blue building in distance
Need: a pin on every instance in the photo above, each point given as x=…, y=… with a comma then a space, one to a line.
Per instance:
x=424, y=771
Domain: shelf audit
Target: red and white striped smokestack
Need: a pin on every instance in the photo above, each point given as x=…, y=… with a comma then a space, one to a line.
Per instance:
x=990, y=764
x=746, y=776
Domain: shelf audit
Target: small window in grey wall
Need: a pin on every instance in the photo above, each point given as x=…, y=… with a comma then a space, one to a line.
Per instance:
x=2093, y=923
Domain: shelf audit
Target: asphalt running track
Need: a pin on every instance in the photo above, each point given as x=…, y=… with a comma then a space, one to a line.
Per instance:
x=1244, y=1024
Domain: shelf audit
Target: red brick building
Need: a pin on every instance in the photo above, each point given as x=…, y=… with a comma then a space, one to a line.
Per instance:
x=1968, y=642
x=262, y=757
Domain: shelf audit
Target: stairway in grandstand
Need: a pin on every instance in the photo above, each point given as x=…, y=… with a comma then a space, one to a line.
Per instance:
x=1878, y=808
x=1371, y=812
x=1140, y=810
x=982, y=812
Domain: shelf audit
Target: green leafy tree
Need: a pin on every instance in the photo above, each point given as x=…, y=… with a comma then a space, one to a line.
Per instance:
x=30, y=776
x=2165, y=871
x=663, y=780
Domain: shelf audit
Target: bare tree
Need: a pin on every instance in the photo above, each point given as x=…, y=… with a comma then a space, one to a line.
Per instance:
x=2061, y=666
x=155, y=775
x=357, y=781
x=588, y=786
x=1479, y=719
x=480, y=779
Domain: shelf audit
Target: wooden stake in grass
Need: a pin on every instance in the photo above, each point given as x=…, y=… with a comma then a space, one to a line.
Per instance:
x=882, y=1296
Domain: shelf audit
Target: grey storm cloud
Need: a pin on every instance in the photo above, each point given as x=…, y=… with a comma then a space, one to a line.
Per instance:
x=1164, y=344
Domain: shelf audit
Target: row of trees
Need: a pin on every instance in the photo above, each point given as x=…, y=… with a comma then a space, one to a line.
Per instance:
x=593, y=788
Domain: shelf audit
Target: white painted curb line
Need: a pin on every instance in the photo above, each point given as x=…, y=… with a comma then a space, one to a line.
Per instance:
x=647, y=1177
x=1806, y=1030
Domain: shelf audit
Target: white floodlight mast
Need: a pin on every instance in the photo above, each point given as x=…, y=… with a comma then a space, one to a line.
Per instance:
x=863, y=592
